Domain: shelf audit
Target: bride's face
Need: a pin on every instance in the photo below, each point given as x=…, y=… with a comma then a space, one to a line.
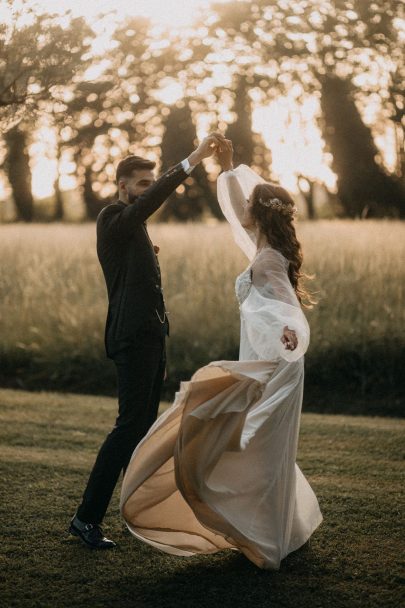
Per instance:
x=247, y=219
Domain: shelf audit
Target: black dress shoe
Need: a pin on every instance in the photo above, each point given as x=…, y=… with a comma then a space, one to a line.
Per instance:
x=90, y=534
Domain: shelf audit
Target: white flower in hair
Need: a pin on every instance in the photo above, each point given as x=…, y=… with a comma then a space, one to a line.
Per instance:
x=275, y=203
x=279, y=205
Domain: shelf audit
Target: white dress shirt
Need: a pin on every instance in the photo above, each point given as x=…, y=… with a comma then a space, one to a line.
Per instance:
x=186, y=166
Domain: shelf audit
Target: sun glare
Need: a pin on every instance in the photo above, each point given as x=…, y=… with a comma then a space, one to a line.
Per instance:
x=176, y=13
x=288, y=129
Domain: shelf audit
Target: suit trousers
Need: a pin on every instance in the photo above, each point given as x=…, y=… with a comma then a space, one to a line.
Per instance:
x=140, y=372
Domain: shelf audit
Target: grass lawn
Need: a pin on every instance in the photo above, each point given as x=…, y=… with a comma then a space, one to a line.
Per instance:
x=48, y=443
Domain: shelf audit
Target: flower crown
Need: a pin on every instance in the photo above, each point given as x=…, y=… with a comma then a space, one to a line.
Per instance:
x=278, y=205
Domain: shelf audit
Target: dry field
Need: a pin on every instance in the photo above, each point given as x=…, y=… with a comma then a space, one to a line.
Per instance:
x=53, y=304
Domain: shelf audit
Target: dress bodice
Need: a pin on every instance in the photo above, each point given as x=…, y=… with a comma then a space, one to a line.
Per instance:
x=243, y=284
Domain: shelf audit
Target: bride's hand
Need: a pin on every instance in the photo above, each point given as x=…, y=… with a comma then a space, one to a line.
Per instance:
x=289, y=338
x=206, y=148
x=224, y=154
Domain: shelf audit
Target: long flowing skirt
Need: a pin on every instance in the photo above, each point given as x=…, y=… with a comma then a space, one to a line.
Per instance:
x=217, y=470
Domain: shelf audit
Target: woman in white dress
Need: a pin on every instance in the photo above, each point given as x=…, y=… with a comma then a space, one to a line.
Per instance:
x=217, y=470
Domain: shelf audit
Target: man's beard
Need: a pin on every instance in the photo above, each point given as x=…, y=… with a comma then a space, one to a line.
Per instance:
x=131, y=198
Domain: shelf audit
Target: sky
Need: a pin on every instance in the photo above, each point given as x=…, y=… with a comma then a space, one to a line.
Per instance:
x=174, y=12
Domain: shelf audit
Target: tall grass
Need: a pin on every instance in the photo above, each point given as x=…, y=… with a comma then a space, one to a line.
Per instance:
x=53, y=305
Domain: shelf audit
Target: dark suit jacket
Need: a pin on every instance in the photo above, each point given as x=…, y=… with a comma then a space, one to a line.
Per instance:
x=129, y=263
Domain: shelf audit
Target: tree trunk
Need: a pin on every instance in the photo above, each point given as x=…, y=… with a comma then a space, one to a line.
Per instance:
x=308, y=196
x=240, y=131
x=364, y=187
x=400, y=151
x=195, y=197
x=249, y=148
x=19, y=173
x=59, y=209
x=92, y=203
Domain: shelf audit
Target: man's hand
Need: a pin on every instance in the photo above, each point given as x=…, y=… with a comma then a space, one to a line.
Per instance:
x=289, y=338
x=224, y=154
x=206, y=148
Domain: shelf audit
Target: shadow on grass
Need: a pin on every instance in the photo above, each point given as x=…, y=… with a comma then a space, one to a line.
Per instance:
x=222, y=580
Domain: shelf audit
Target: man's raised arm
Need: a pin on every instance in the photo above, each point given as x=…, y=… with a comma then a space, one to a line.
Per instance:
x=120, y=222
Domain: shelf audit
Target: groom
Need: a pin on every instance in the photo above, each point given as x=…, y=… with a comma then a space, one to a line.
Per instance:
x=136, y=324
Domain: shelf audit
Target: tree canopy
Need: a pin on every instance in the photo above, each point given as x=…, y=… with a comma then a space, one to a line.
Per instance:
x=346, y=54
x=37, y=52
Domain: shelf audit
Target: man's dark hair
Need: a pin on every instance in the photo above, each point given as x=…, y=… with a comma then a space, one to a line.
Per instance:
x=132, y=163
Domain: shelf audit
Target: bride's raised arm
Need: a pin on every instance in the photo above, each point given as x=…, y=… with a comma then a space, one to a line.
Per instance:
x=233, y=190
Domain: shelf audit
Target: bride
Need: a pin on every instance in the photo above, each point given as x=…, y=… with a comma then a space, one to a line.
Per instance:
x=217, y=470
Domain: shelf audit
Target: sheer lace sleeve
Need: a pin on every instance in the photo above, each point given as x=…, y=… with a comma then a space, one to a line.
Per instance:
x=233, y=189
x=270, y=306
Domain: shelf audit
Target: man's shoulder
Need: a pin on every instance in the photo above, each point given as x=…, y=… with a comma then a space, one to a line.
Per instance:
x=111, y=208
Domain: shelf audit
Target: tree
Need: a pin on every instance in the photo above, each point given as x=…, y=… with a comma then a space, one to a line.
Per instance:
x=90, y=111
x=307, y=187
x=83, y=113
x=240, y=131
x=309, y=44
x=213, y=49
x=248, y=146
x=59, y=212
x=19, y=173
x=364, y=186
x=35, y=54
x=383, y=36
x=195, y=196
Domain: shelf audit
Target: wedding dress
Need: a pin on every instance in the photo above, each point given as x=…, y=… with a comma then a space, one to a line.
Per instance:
x=217, y=470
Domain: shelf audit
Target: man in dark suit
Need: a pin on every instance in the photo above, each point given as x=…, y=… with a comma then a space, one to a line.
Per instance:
x=136, y=324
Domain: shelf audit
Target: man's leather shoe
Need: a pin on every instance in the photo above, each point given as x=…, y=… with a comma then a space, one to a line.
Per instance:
x=90, y=534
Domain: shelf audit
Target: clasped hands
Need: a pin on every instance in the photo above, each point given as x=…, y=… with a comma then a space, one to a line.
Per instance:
x=217, y=144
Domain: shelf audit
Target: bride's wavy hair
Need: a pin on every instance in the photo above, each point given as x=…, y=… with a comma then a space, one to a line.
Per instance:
x=273, y=209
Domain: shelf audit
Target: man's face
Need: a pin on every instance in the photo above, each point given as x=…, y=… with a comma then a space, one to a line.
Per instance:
x=139, y=181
